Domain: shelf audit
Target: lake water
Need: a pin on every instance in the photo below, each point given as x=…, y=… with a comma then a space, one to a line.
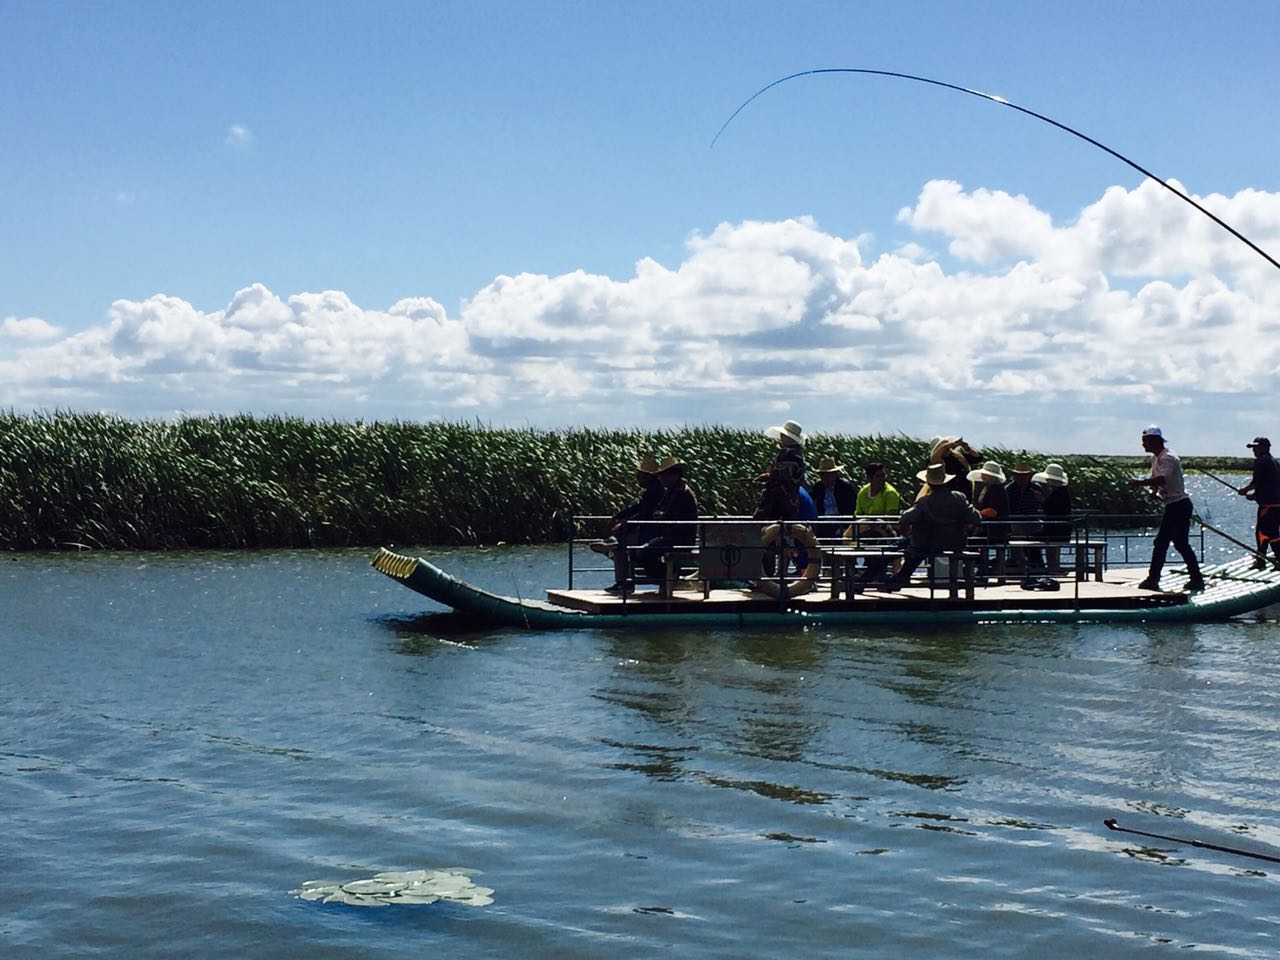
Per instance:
x=186, y=738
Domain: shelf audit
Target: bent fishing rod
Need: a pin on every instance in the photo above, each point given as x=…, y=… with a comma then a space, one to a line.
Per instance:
x=1202, y=844
x=1007, y=103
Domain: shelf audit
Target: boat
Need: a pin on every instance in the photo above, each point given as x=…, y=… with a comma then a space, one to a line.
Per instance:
x=1090, y=594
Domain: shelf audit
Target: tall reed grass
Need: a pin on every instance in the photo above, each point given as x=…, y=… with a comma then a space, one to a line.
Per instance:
x=71, y=480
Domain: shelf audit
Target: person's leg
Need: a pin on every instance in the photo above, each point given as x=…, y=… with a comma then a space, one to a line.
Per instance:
x=1160, y=546
x=1181, y=539
x=627, y=536
x=911, y=560
x=1268, y=527
x=651, y=557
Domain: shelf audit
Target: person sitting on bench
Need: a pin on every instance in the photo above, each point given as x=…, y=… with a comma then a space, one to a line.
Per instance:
x=938, y=523
x=678, y=502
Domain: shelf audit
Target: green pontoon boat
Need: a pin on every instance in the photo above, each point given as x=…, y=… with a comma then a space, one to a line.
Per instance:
x=968, y=593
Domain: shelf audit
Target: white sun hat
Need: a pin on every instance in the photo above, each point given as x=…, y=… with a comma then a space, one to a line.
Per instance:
x=791, y=430
x=988, y=471
x=1053, y=475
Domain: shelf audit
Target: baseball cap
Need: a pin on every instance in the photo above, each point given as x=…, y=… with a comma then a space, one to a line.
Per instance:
x=1153, y=431
x=1259, y=442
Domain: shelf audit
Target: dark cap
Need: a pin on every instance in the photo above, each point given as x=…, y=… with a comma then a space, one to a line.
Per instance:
x=1259, y=442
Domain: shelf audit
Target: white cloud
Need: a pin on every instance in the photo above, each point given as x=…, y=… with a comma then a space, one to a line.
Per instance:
x=238, y=136
x=1053, y=336
x=28, y=328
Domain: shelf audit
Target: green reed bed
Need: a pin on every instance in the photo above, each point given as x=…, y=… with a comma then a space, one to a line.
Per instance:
x=72, y=480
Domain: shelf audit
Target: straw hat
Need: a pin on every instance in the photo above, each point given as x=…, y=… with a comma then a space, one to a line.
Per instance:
x=670, y=463
x=935, y=475
x=939, y=447
x=1052, y=476
x=1021, y=468
x=791, y=430
x=988, y=471
x=647, y=465
x=829, y=465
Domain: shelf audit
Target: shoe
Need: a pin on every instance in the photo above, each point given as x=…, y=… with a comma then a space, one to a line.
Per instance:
x=1195, y=585
x=605, y=546
x=619, y=590
x=1149, y=584
x=1259, y=564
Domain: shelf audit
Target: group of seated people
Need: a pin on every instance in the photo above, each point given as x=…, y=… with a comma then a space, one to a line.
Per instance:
x=961, y=495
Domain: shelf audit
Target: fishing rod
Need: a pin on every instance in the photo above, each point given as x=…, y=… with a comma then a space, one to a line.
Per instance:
x=1203, y=845
x=1199, y=519
x=1031, y=113
x=1214, y=476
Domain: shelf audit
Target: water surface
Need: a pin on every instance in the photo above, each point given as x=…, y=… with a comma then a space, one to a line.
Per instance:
x=185, y=738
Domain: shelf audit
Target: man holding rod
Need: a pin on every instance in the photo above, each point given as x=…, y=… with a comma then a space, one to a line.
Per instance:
x=1175, y=524
x=1264, y=489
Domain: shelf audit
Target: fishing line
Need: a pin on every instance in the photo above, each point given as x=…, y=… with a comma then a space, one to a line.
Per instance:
x=1031, y=113
x=1112, y=825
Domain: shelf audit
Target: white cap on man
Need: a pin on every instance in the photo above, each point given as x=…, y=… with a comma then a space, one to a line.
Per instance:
x=1153, y=431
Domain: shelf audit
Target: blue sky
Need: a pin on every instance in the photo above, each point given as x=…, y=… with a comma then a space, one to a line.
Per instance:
x=510, y=212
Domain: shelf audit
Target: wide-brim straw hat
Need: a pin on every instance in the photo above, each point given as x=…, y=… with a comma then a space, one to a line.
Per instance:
x=670, y=463
x=791, y=430
x=940, y=447
x=829, y=465
x=988, y=471
x=935, y=475
x=1052, y=475
x=647, y=465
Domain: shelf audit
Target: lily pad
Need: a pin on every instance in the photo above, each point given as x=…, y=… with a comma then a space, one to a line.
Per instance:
x=399, y=886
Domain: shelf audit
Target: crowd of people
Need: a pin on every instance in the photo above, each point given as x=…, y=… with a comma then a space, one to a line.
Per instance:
x=962, y=496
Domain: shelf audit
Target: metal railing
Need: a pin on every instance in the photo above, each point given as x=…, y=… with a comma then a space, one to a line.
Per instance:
x=1127, y=538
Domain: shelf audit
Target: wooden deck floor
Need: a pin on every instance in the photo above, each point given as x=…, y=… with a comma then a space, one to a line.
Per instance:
x=1117, y=590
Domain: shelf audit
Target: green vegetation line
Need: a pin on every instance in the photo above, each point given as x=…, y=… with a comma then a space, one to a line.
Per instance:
x=72, y=480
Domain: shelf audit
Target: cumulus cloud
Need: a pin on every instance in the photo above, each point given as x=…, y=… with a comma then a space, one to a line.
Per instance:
x=28, y=328
x=1047, y=335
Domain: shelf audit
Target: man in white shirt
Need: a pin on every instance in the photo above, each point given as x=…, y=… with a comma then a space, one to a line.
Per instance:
x=1175, y=525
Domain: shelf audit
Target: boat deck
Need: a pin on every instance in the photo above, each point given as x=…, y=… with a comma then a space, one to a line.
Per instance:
x=1117, y=590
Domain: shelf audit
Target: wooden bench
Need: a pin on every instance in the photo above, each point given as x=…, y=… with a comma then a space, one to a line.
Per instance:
x=673, y=560
x=1090, y=555
x=961, y=570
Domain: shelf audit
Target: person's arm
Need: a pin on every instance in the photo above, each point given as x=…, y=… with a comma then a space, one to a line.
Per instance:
x=1250, y=487
x=1157, y=478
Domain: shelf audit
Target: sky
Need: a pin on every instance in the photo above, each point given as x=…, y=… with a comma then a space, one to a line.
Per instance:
x=512, y=214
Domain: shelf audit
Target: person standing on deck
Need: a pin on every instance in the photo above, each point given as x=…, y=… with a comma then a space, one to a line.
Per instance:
x=958, y=457
x=1175, y=524
x=790, y=438
x=1264, y=489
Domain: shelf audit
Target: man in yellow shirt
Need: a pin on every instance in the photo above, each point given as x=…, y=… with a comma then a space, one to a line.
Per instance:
x=877, y=497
